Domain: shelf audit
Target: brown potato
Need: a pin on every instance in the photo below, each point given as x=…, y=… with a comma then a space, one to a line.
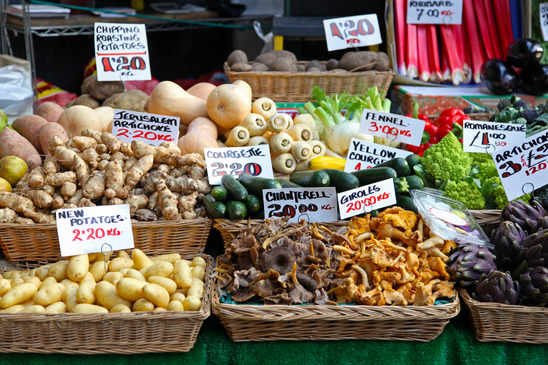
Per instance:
x=86, y=100
x=100, y=90
x=236, y=56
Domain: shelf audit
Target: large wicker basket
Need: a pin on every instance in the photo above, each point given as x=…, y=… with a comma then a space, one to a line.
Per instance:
x=248, y=322
x=115, y=333
x=296, y=87
x=39, y=242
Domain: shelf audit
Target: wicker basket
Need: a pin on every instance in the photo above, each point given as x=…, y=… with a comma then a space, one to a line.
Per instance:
x=248, y=322
x=488, y=219
x=508, y=323
x=39, y=242
x=296, y=87
x=114, y=333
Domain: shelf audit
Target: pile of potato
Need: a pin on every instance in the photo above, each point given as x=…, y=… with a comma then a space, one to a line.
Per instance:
x=95, y=283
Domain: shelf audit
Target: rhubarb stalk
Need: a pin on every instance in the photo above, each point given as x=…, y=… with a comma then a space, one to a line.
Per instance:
x=451, y=53
x=484, y=30
x=474, y=49
x=433, y=53
x=460, y=49
x=422, y=51
x=399, y=27
x=411, y=47
x=493, y=32
x=507, y=21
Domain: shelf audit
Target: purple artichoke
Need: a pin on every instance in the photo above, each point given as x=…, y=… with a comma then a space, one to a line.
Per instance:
x=534, y=286
x=535, y=248
x=507, y=239
x=524, y=214
x=497, y=286
x=541, y=224
x=469, y=262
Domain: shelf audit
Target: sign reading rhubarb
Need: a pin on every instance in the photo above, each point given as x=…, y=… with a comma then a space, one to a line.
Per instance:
x=149, y=128
x=121, y=52
x=522, y=166
x=365, y=155
x=488, y=137
x=392, y=126
x=543, y=13
x=366, y=198
x=434, y=12
x=310, y=204
x=254, y=160
x=352, y=31
x=94, y=229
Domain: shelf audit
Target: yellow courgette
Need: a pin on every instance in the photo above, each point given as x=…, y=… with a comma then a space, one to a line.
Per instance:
x=326, y=162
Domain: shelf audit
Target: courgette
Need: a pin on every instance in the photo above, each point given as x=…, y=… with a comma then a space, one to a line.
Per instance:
x=399, y=164
x=401, y=185
x=310, y=178
x=253, y=203
x=236, y=190
x=288, y=184
x=214, y=208
x=412, y=160
x=406, y=202
x=414, y=182
x=341, y=181
x=374, y=174
x=255, y=184
x=236, y=210
x=219, y=193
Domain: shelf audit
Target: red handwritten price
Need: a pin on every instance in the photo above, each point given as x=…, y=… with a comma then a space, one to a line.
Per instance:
x=235, y=168
x=289, y=210
x=388, y=130
x=359, y=205
x=351, y=29
x=151, y=136
x=94, y=233
x=123, y=63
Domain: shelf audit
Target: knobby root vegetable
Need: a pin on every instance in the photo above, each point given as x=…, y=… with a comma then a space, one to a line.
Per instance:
x=237, y=137
x=265, y=107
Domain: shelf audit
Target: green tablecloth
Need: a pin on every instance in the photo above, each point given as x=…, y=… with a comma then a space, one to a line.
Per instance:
x=456, y=345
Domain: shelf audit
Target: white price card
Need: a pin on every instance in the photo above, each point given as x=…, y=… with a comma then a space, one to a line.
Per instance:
x=310, y=204
x=365, y=155
x=366, y=198
x=434, y=12
x=487, y=137
x=254, y=160
x=352, y=31
x=522, y=166
x=121, y=52
x=94, y=229
x=543, y=14
x=152, y=129
x=392, y=126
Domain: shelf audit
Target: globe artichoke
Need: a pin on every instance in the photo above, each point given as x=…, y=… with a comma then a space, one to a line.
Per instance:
x=507, y=238
x=524, y=214
x=469, y=262
x=497, y=286
x=535, y=248
x=534, y=286
x=541, y=224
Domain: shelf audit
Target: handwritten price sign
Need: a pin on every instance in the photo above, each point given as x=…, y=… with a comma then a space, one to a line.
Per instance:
x=365, y=155
x=310, y=204
x=121, y=52
x=149, y=128
x=366, y=198
x=254, y=160
x=86, y=230
x=434, y=12
x=490, y=136
x=543, y=13
x=353, y=31
x=522, y=166
x=392, y=126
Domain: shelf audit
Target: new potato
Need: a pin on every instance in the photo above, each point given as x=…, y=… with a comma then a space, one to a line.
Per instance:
x=182, y=274
x=86, y=293
x=89, y=308
x=157, y=294
x=78, y=267
x=107, y=296
x=159, y=268
x=166, y=283
x=58, y=307
x=130, y=288
x=143, y=305
x=49, y=294
x=140, y=259
x=59, y=270
x=17, y=295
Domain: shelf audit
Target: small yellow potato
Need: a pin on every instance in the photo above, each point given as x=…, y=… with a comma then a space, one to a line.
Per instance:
x=13, y=309
x=140, y=259
x=59, y=270
x=182, y=274
x=42, y=272
x=17, y=295
x=12, y=274
x=123, y=254
x=33, y=309
x=198, y=261
x=34, y=280
x=196, y=281
x=88, y=278
x=92, y=256
x=98, y=269
x=130, y=288
x=69, y=296
x=86, y=293
x=143, y=305
x=58, y=307
x=196, y=291
x=119, y=263
x=198, y=272
x=192, y=303
x=159, y=309
x=107, y=296
x=183, y=291
x=113, y=277
x=5, y=286
x=124, y=270
x=48, y=281
x=18, y=280
x=89, y=308
x=167, y=283
x=120, y=308
x=159, y=268
x=177, y=296
x=170, y=257
x=49, y=294
x=78, y=267
x=175, y=306
x=101, y=257
x=135, y=274
x=157, y=294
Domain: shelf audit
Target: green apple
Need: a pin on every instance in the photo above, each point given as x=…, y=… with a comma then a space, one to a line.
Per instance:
x=5, y=185
x=12, y=168
x=3, y=120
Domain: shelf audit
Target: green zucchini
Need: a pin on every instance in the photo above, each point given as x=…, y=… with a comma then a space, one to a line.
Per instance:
x=236, y=210
x=310, y=178
x=219, y=193
x=255, y=184
x=342, y=181
x=401, y=185
x=414, y=182
x=288, y=184
x=236, y=190
x=253, y=203
x=374, y=174
x=412, y=160
x=399, y=164
x=406, y=202
x=214, y=208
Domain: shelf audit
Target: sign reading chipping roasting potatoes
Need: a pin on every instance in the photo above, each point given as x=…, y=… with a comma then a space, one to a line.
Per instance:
x=94, y=229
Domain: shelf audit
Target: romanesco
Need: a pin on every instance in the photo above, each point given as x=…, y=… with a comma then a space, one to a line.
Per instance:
x=466, y=191
x=478, y=158
x=447, y=160
x=486, y=170
x=494, y=194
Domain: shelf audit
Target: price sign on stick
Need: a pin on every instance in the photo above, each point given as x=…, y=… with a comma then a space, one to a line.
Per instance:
x=121, y=52
x=310, y=204
x=434, y=12
x=543, y=13
x=86, y=230
x=365, y=155
x=522, y=167
x=254, y=160
x=392, y=126
x=366, y=198
x=149, y=128
x=352, y=31
x=490, y=136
